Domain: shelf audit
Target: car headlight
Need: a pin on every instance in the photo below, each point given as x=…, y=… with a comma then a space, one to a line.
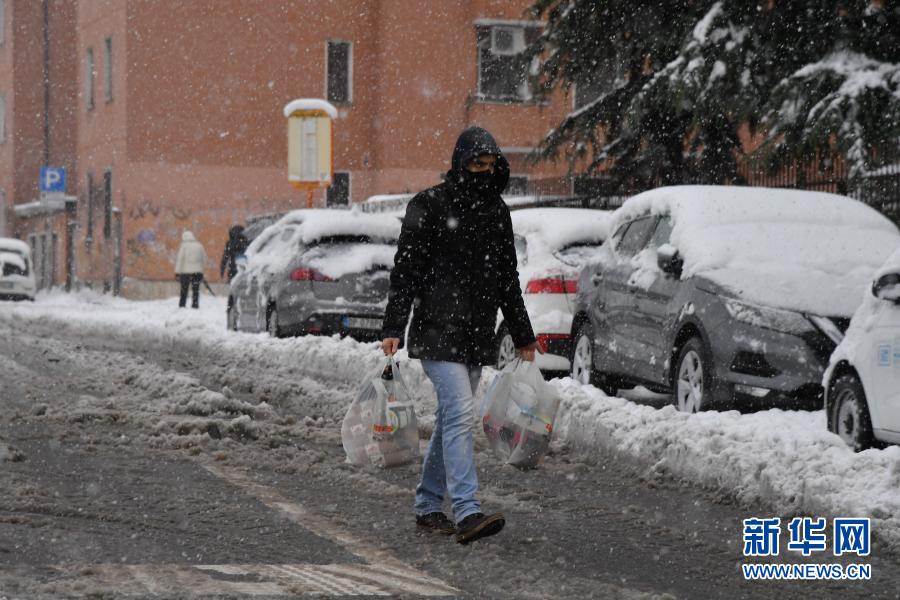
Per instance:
x=828, y=327
x=776, y=319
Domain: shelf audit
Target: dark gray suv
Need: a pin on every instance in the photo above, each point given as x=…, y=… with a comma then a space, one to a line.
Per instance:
x=724, y=296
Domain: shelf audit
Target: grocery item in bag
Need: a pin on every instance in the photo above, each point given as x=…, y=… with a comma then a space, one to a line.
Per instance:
x=517, y=414
x=380, y=426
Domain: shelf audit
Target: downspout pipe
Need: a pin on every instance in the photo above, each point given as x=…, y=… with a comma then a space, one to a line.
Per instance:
x=46, y=77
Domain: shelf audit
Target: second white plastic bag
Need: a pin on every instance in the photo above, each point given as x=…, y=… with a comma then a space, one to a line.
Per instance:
x=517, y=414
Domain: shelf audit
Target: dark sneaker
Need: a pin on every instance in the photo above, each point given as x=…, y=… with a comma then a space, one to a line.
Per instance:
x=436, y=522
x=477, y=526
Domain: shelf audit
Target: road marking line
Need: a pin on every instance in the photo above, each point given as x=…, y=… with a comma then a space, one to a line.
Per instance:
x=381, y=575
x=189, y=581
x=382, y=569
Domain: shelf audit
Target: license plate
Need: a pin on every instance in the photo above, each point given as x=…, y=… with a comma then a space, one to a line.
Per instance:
x=6, y=285
x=361, y=323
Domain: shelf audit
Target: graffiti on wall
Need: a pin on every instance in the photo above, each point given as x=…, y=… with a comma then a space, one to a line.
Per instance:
x=150, y=208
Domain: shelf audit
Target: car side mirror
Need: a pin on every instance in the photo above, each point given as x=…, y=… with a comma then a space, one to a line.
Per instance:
x=669, y=260
x=887, y=287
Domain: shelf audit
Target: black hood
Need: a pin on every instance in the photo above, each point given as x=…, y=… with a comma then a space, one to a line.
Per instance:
x=235, y=232
x=472, y=143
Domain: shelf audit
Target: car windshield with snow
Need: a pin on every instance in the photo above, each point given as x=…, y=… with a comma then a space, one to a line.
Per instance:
x=552, y=244
x=316, y=271
x=726, y=296
x=862, y=384
x=16, y=275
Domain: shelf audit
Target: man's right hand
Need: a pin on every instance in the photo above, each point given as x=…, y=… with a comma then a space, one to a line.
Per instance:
x=390, y=346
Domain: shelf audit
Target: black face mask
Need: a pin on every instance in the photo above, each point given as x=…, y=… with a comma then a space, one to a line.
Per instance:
x=478, y=182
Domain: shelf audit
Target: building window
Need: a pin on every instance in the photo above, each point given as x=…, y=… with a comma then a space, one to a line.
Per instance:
x=107, y=69
x=2, y=119
x=340, y=72
x=601, y=81
x=339, y=192
x=517, y=186
x=107, y=204
x=502, y=68
x=89, y=80
x=2, y=22
x=89, y=228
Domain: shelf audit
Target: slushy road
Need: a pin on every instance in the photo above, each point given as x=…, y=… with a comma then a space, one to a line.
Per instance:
x=119, y=478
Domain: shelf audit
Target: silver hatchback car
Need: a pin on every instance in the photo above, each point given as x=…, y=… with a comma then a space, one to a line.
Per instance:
x=316, y=271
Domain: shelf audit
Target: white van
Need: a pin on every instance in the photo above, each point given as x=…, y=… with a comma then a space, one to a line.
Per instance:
x=16, y=270
x=862, y=383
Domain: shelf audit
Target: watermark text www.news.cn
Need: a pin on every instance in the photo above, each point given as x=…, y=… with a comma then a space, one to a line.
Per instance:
x=807, y=536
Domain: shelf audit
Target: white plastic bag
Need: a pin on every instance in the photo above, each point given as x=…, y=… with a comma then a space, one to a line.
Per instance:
x=380, y=426
x=517, y=414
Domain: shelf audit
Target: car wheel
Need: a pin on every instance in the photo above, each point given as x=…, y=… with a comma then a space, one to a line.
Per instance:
x=506, y=347
x=851, y=413
x=693, y=377
x=582, y=360
x=272, y=322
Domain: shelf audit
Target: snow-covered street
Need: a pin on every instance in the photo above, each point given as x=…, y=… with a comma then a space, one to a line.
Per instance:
x=190, y=446
x=522, y=299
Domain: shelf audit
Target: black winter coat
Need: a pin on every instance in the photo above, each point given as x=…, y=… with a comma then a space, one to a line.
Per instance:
x=456, y=266
x=235, y=246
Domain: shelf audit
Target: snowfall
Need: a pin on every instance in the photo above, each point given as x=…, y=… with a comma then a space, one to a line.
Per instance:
x=782, y=462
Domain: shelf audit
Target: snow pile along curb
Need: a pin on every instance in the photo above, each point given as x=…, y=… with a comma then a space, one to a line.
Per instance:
x=786, y=459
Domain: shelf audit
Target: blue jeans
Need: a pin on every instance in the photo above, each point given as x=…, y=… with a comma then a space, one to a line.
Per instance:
x=450, y=460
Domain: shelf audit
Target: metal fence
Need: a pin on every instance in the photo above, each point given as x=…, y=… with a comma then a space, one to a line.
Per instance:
x=881, y=190
x=879, y=187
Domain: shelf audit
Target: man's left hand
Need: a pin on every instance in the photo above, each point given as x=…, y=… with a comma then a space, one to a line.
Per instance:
x=527, y=352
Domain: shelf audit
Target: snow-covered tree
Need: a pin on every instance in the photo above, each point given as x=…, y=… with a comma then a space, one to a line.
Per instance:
x=846, y=100
x=714, y=81
x=662, y=89
x=603, y=54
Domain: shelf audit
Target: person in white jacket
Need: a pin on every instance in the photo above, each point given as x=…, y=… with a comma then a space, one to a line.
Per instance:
x=189, y=265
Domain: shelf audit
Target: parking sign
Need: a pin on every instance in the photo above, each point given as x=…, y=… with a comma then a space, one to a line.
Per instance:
x=53, y=180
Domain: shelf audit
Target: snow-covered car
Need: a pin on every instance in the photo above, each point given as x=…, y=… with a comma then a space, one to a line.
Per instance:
x=552, y=245
x=316, y=271
x=16, y=273
x=724, y=295
x=862, y=383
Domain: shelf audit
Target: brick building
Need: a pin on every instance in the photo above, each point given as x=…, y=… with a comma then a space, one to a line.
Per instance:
x=167, y=115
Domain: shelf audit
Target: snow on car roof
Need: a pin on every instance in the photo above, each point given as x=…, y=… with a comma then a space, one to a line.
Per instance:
x=808, y=251
x=561, y=227
x=12, y=259
x=549, y=230
x=318, y=223
x=279, y=243
x=15, y=245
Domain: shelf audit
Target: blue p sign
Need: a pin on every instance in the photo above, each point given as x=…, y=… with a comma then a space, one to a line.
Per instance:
x=53, y=179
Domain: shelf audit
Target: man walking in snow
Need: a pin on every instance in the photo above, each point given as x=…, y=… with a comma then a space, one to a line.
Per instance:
x=235, y=247
x=189, y=264
x=456, y=265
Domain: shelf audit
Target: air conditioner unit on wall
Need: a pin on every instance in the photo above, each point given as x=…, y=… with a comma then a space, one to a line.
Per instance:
x=507, y=40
